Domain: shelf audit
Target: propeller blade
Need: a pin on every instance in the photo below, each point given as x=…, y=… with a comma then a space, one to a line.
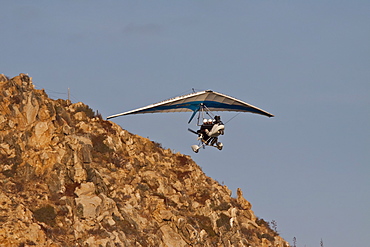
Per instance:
x=192, y=131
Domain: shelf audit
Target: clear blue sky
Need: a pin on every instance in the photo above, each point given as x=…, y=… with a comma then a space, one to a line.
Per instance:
x=307, y=62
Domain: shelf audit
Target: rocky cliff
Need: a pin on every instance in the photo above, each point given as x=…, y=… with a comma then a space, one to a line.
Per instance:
x=70, y=178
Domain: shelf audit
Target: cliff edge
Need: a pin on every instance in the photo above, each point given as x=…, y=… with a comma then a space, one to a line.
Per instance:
x=70, y=178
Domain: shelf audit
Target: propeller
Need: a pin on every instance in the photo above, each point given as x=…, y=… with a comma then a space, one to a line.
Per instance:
x=192, y=131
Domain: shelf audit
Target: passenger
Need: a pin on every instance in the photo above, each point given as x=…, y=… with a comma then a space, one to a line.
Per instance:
x=202, y=131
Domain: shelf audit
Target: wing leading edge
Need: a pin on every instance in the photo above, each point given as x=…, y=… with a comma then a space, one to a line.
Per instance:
x=214, y=101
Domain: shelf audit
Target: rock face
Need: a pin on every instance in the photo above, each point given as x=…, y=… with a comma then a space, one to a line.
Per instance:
x=69, y=178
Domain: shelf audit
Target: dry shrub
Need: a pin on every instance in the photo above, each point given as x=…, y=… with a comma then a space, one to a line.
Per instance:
x=45, y=214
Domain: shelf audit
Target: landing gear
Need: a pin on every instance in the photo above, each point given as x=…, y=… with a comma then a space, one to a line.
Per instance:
x=219, y=145
x=195, y=148
x=206, y=140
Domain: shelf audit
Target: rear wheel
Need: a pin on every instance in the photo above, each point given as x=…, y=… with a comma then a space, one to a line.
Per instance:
x=220, y=145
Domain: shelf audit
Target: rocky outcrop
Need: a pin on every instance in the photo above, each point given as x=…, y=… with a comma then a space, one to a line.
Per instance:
x=70, y=178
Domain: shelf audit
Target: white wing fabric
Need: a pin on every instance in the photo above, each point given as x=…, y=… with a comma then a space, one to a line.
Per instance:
x=192, y=103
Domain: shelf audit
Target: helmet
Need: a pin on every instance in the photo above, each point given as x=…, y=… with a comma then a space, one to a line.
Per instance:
x=209, y=120
x=205, y=121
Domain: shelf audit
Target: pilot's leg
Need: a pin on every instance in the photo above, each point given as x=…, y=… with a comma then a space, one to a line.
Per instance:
x=206, y=138
x=214, y=140
x=209, y=140
x=200, y=137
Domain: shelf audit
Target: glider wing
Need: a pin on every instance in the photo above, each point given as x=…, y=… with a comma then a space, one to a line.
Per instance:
x=214, y=101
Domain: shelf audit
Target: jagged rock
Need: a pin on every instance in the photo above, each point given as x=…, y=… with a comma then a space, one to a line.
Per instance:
x=31, y=109
x=3, y=78
x=87, y=201
x=69, y=178
x=242, y=201
x=172, y=238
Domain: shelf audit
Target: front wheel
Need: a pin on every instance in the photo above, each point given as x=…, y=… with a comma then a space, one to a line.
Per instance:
x=195, y=148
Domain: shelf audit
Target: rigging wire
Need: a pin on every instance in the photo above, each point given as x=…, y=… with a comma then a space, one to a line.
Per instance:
x=232, y=118
x=185, y=92
x=193, y=90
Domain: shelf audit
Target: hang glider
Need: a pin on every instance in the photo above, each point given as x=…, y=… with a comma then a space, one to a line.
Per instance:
x=203, y=103
x=195, y=102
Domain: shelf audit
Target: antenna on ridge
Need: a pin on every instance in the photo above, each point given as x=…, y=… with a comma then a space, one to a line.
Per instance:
x=69, y=97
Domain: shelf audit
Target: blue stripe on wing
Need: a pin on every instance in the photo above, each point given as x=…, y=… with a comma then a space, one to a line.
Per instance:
x=216, y=106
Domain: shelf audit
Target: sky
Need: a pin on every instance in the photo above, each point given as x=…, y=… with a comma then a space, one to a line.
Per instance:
x=306, y=62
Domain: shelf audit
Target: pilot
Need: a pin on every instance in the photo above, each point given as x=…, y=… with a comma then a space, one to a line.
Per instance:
x=217, y=120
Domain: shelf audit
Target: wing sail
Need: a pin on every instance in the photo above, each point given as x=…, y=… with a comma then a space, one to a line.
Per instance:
x=214, y=101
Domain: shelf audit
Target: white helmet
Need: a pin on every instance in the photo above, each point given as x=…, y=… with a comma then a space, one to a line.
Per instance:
x=205, y=121
x=209, y=120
